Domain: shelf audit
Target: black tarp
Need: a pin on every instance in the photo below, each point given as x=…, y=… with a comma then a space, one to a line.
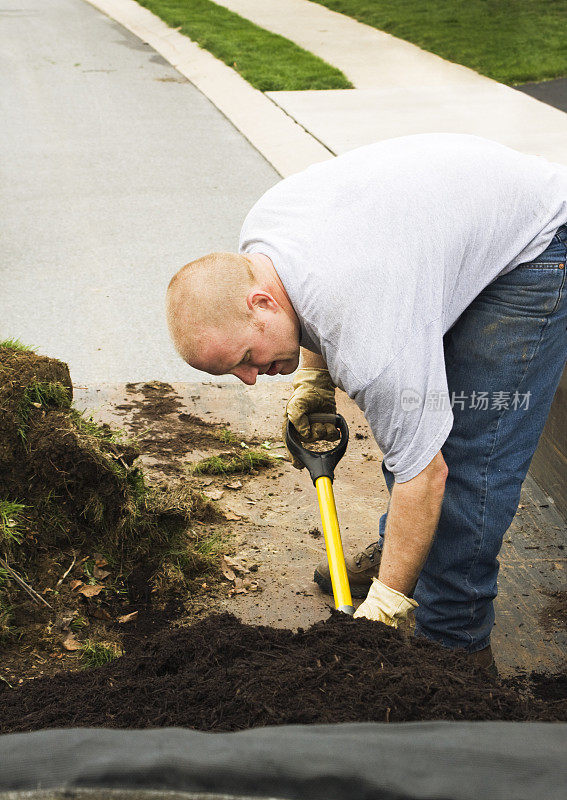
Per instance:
x=369, y=761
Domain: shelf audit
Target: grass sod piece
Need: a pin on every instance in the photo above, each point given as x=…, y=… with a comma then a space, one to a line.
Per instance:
x=512, y=41
x=102, y=431
x=41, y=395
x=267, y=61
x=233, y=463
x=226, y=436
x=15, y=344
x=97, y=654
x=77, y=479
x=70, y=488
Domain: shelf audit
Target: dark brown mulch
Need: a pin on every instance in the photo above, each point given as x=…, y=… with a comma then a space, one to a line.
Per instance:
x=222, y=675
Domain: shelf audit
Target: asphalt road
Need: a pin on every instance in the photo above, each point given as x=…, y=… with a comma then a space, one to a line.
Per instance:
x=554, y=93
x=115, y=172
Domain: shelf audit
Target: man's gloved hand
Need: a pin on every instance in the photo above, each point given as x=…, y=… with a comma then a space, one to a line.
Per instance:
x=313, y=392
x=385, y=605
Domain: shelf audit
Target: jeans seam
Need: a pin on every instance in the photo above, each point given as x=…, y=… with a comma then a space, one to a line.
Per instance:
x=559, y=296
x=484, y=495
x=542, y=265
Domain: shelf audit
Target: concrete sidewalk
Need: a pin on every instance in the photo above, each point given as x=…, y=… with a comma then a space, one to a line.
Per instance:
x=400, y=88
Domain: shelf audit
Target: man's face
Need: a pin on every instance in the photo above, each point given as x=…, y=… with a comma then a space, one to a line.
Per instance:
x=266, y=345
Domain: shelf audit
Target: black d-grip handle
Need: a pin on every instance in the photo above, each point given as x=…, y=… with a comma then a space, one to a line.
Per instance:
x=319, y=464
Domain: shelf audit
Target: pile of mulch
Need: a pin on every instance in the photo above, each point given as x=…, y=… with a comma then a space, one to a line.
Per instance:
x=222, y=675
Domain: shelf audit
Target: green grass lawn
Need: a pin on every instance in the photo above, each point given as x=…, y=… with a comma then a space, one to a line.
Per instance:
x=267, y=61
x=513, y=41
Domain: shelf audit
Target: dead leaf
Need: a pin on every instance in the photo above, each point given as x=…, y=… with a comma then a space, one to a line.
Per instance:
x=100, y=574
x=206, y=482
x=214, y=494
x=228, y=573
x=70, y=643
x=75, y=585
x=91, y=591
x=237, y=566
x=234, y=485
x=231, y=516
x=100, y=560
x=128, y=617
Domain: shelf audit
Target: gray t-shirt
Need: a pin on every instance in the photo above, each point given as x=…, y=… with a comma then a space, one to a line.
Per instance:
x=381, y=250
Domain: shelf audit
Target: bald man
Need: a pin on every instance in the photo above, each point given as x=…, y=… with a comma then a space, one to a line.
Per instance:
x=425, y=277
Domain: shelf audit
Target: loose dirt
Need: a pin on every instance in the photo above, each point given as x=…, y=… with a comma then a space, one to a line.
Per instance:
x=221, y=675
x=554, y=614
x=170, y=445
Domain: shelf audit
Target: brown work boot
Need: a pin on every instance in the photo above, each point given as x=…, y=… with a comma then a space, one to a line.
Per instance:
x=484, y=660
x=360, y=570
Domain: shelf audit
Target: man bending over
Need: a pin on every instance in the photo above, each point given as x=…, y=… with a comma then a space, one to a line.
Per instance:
x=425, y=277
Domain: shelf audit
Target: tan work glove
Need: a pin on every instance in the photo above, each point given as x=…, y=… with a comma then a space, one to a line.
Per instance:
x=313, y=392
x=385, y=605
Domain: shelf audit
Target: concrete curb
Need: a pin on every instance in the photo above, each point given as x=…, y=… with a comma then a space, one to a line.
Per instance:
x=287, y=146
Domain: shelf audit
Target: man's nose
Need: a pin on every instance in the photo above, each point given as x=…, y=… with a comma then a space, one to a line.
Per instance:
x=246, y=374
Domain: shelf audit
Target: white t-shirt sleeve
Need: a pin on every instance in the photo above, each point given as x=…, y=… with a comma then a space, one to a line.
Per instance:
x=408, y=406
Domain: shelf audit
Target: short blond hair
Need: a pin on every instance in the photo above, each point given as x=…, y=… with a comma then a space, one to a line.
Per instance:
x=209, y=292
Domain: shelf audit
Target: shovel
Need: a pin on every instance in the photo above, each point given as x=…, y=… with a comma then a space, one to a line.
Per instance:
x=321, y=467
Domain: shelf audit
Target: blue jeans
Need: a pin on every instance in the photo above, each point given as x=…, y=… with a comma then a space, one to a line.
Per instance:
x=511, y=341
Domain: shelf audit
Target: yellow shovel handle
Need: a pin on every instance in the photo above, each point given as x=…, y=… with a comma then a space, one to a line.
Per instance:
x=335, y=555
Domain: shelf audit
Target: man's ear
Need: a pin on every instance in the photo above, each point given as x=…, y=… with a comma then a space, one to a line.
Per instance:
x=258, y=300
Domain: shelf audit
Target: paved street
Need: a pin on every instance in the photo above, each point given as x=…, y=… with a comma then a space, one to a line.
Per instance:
x=115, y=171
